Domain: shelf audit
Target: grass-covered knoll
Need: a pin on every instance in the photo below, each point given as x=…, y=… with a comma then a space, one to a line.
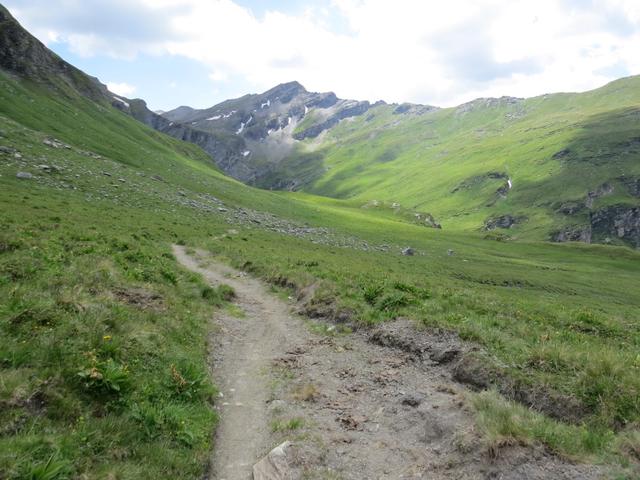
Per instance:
x=454, y=163
x=102, y=344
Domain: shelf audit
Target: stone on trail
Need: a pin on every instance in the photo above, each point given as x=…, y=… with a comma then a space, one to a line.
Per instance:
x=275, y=466
x=408, y=251
x=24, y=175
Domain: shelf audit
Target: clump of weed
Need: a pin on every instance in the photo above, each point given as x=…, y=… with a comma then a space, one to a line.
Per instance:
x=393, y=301
x=103, y=378
x=188, y=381
x=287, y=425
x=53, y=468
x=371, y=293
x=306, y=393
x=217, y=295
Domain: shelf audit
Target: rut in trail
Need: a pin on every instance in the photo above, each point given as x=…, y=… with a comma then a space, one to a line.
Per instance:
x=353, y=409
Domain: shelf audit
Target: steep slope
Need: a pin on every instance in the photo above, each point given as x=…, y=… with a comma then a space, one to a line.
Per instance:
x=24, y=56
x=561, y=167
x=103, y=336
x=259, y=131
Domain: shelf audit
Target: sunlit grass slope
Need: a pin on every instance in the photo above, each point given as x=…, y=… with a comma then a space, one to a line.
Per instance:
x=103, y=337
x=554, y=149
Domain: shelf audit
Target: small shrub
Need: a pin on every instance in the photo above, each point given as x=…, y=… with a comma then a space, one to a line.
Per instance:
x=393, y=301
x=411, y=289
x=586, y=321
x=105, y=377
x=371, y=293
x=226, y=292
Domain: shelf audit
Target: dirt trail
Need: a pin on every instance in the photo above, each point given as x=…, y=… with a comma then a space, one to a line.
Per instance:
x=352, y=408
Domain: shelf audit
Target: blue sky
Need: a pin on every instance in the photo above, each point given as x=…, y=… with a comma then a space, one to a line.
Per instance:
x=200, y=52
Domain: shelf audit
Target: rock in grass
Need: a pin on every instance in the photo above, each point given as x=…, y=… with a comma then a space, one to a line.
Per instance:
x=275, y=466
x=24, y=175
x=408, y=251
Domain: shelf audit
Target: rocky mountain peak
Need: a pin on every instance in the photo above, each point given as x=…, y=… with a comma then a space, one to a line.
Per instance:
x=285, y=91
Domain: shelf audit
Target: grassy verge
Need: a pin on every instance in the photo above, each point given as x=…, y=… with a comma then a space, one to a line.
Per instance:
x=102, y=345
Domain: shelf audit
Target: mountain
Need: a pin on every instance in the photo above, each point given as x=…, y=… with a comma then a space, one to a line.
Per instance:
x=24, y=55
x=261, y=130
x=560, y=167
x=106, y=341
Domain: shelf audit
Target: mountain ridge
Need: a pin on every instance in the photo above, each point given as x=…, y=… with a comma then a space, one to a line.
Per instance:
x=560, y=167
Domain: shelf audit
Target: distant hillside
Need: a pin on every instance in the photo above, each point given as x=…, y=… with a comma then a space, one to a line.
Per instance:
x=261, y=131
x=556, y=167
x=561, y=167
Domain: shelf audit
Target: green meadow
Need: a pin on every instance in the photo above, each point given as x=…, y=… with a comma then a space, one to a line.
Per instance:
x=103, y=337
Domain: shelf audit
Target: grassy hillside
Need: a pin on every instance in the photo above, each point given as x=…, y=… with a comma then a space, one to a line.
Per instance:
x=455, y=163
x=103, y=337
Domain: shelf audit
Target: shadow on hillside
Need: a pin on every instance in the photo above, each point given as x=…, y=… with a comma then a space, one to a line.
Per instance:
x=597, y=189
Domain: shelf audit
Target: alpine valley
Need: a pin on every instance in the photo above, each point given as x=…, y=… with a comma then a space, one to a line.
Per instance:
x=467, y=279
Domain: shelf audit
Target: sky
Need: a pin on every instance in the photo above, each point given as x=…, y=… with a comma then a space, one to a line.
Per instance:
x=201, y=52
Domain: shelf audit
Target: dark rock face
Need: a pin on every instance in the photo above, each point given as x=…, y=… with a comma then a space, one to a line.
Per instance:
x=620, y=221
x=561, y=154
x=349, y=111
x=571, y=208
x=573, y=234
x=478, y=179
x=24, y=55
x=503, y=221
x=404, y=108
x=601, y=191
x=633, y=186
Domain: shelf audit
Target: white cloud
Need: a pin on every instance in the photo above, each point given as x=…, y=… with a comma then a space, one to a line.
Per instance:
x=407, y=50
x=123, y=88
x=218, y=76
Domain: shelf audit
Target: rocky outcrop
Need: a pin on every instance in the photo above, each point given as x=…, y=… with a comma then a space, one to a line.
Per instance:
x=503, y=221
x=471, y=182
x=616, y=221
x=632, y=184
x=353, y=110
x=575, y=233
x=621, y=221
x=571, y=208
x=480, y=103
x=413, y=108
x=601, y=191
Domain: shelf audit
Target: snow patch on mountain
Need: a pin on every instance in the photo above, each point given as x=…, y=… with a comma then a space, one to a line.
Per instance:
x=126, y=104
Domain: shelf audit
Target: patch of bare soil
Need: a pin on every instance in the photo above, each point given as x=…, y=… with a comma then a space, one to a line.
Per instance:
x=140, y=298
x=359, y=406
